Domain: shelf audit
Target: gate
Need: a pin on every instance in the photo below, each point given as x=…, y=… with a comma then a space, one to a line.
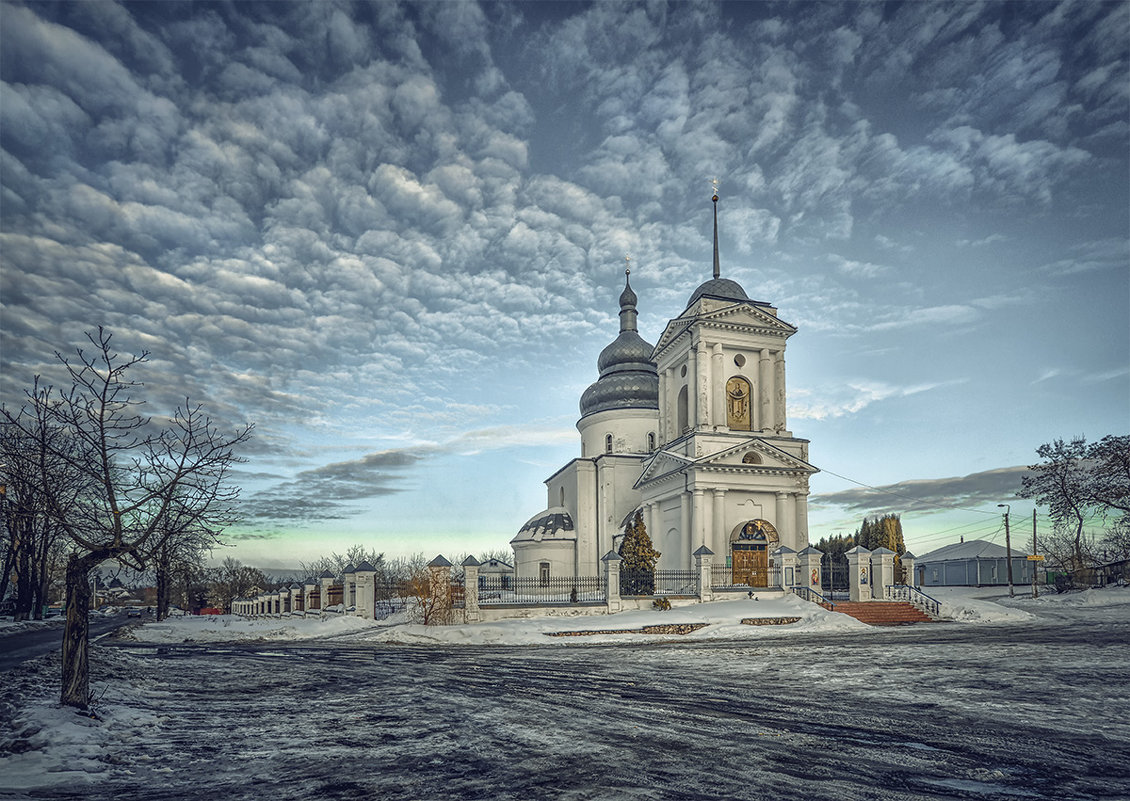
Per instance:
x=834, y=577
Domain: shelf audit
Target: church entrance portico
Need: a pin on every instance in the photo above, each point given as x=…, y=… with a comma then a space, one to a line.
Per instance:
x=750, y=546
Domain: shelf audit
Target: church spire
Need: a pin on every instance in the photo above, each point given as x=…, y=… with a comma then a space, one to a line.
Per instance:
x=717, y=270
x=627, y=299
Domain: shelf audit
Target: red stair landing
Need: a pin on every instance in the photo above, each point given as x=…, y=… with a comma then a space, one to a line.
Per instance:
x=883, y=613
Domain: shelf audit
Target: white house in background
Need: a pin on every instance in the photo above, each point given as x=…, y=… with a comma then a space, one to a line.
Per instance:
x=973, y=563
x=692, y=432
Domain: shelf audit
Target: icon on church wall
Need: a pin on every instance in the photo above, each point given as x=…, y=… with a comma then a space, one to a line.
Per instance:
x=737, y=403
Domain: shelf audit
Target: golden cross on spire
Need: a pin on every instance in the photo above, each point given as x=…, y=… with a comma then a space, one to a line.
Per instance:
x=714, y=189
x=627, y=264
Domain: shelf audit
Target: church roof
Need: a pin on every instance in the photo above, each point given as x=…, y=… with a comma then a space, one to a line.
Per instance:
x=628, y=376
x=553, y=523
x=722, y=288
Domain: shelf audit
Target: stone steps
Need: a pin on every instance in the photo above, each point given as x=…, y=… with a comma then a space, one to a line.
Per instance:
x=883, y=613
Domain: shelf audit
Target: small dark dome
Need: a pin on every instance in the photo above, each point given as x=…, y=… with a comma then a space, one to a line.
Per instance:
x=719, y=288
x=553, y=523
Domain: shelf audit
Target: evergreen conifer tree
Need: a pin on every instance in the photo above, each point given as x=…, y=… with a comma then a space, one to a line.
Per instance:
x=637, y=571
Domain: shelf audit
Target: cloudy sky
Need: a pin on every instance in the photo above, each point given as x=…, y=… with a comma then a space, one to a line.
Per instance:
x=392, y=236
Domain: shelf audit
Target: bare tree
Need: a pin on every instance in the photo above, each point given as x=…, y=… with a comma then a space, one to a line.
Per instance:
x=1081, y=483
x=145, y=481
x=233, y=579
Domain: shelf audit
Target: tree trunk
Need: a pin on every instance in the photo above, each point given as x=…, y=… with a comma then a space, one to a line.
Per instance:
x=162, y=589
x=76, y=668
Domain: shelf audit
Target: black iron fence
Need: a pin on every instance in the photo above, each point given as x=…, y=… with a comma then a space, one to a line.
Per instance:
x=658, y=582
x=536, y=590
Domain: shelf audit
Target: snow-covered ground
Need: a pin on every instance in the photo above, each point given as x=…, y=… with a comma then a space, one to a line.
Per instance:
x=1021, y=698
x=723, y=618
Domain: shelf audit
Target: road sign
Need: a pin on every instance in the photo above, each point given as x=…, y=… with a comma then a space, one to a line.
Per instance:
x=1036, y=557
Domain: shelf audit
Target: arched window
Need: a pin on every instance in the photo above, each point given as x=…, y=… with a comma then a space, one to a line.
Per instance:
x=751, y=458
x=608, y=443
x=562, y=497
x=650, y=441
x=681, y=411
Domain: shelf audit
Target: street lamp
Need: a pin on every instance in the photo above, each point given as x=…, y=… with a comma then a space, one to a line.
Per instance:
x=1007, y=546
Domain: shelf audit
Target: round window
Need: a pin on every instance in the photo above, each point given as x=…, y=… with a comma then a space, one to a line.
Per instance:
x=739, y=360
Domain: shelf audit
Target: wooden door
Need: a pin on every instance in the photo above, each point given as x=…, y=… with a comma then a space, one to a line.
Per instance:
x=751, y=565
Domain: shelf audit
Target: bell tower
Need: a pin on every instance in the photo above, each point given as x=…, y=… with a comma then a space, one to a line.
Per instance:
x=726, y=458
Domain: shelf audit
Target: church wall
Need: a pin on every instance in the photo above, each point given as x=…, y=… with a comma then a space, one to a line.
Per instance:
x=629, y=429
x=560, y=554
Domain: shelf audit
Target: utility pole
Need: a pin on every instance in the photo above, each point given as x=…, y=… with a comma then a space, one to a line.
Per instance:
x=1008, y=547
x=1036, y=564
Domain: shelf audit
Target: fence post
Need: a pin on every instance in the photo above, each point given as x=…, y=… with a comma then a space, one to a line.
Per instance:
x=909, y=576
x=882, y=571
x=326, y=579
x=471, y=590
x=786, y=558
x=808, y=563
x=439, y=590
x=859, y=574
x=704, y=565
x=366, y=576
x=612, y=581
x=308, y=588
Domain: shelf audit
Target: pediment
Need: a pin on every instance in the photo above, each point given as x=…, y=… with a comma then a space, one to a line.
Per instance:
x=741, y=316
x=753, y=454
x=661, y=463
x=734, y=458
x=745, y=315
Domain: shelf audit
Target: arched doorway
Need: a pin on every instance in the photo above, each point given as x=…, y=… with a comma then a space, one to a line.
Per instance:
x=750, y=546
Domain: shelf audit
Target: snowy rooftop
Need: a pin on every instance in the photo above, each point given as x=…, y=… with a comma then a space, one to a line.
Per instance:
x=970, y=549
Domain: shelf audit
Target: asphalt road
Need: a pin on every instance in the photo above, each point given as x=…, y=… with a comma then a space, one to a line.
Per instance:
x=48, y=637
x=945, y=712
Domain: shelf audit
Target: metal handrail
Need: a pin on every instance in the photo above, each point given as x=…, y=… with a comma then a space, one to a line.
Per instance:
x=809, y=594
x=915, y=597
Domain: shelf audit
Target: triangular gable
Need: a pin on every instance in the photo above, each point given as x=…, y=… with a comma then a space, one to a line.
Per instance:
x=777, y=458
x=663, y=462
x=739, y=313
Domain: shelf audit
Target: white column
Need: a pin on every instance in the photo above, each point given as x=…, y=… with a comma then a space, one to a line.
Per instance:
x=801, y=538
x=765, y=381
x=664, y=416
x=697, y=523
x=670, y=403
x=685, y=525
x=779, y=391
x=720, y=527
x=782, y=522
x=718, y=386
x=692, y=389
x=702, y=386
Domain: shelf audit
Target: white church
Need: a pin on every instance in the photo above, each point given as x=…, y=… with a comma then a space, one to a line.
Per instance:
x=692, y=432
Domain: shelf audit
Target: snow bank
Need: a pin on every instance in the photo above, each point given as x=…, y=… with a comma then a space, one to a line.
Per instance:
x=722, y=619
x=973, y=605
x=226, y=628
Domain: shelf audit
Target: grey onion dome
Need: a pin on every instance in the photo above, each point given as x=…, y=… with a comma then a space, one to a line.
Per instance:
x=628, y=376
